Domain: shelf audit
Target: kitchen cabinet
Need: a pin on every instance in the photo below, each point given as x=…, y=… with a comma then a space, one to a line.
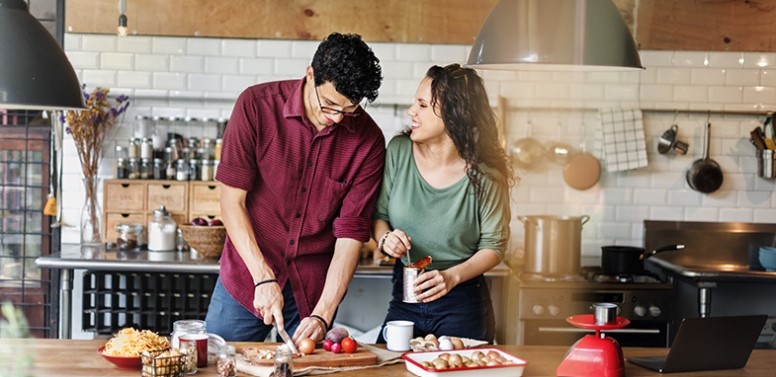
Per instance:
x=134, y=200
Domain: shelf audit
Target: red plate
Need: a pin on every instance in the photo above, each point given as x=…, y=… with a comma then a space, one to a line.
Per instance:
x=124, y=362
x=587, y=321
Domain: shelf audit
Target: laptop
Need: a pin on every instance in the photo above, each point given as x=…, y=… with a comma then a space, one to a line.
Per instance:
x=708, y=344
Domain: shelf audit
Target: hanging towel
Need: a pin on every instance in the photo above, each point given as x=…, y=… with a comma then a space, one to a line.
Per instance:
x=622, y=139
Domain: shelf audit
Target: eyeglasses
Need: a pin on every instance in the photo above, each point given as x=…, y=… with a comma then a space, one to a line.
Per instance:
x=331, y=111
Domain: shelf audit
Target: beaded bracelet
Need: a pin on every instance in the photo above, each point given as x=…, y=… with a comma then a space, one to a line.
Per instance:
x=382, y=243
x=265, y=281
x=323, y=321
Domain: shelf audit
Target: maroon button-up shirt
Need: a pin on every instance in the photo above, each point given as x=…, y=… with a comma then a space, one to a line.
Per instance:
x=305, y=188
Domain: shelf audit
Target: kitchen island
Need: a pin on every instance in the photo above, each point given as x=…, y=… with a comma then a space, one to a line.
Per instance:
x=59, y=358
x=173, y=274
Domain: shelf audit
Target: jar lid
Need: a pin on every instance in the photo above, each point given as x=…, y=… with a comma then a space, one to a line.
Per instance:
x=161, y=211
x=129, y=228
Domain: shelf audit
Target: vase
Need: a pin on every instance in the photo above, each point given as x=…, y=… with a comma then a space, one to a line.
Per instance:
x=91, y=214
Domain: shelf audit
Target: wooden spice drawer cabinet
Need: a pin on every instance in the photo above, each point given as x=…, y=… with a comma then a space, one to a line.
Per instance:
x=134, y=201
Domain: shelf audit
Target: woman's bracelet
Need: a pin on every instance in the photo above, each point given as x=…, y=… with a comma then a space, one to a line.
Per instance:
x=265, y=282
x=382, y=243
x=323, y=321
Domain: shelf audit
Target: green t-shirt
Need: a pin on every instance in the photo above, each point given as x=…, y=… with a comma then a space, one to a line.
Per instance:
x=449, y=224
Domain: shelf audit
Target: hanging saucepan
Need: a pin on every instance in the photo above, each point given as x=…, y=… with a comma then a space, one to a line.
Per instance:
x=628, y=260
x=705, y=175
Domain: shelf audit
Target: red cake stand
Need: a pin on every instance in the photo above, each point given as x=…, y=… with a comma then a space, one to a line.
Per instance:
x=594, y=355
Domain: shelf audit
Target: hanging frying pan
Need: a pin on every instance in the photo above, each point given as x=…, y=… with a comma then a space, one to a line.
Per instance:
x=705, y=175
x=581, y=171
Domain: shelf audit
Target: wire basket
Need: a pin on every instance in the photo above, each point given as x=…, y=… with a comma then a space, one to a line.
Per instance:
x=206, y=240
x=162, y=363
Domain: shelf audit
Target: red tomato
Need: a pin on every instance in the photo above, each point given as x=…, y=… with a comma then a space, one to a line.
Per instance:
x=349, y=345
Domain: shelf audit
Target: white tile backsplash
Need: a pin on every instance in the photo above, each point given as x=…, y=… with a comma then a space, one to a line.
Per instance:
x=201, y=77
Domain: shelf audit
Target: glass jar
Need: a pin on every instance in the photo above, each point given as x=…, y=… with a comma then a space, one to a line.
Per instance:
x=182, y=170
x=121, y=152
x=161, y=231
x=130, y=237
x=147, y=148
x=194, y=172
x=226, y=366
x=146, y=169
x=122, y=168
x=133, y=169
x=284, y=366
x=133, y=148
x=188, y=350
x=217, y=152
x=160, y=169
x=206, y=170
x=180, y=242
x=143, y=126
x=186, y=326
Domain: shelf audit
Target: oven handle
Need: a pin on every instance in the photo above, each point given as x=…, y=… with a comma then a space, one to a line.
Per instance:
x=622, y=331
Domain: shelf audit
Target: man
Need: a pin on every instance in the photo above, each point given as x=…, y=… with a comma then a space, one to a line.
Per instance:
x=301, y=167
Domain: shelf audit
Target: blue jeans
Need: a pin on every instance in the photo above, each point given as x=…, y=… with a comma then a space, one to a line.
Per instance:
x=227, y=318
x=466, y=311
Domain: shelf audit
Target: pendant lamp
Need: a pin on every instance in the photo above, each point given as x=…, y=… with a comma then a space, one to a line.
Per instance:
x=34, y=71
x=555, y=35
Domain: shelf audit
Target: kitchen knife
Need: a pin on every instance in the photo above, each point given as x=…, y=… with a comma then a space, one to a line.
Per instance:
x=290, y=343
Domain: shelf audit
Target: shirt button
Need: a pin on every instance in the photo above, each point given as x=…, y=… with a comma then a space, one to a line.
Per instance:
x=298, y=215
x=304, y=189
x=309, y=163
x=292, y=242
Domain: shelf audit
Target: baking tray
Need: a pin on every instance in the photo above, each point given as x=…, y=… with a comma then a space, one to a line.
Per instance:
x=413, y=360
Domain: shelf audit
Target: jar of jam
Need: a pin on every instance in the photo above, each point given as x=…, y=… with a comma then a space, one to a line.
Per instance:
x=130, y=237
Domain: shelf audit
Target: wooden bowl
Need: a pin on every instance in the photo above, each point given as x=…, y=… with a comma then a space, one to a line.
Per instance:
x=206, y=240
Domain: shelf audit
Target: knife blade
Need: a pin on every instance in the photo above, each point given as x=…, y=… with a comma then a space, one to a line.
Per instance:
x=290, y=343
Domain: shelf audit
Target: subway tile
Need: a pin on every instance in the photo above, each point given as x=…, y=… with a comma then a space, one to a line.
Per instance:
x=675, y=76
x=687, y=93
x=135, y=44
x=650, y=196
x=236, y=84
x=754, y=199
x=257, y=66
x=192, y=64
x=241, y=48
x=72, y=42
x=169, y=80
x=587, y=91
x=95, y=77
x=700, y=214
x=134, y=79
x=742, y=77
x=413, y=52
x=98, y=43
x=726, y=94
x=607, y=77
x=726, y=59
x=632, y=213
x=691, y=59
x=116, y=61
x=764, y=215
x=204, y=46
x=552, y=90
x=736, y=215
x=447, y=54
x=621, y=92
x=290, y=67
x=168, y=45
x=274, y=49
x=720, y=199
x=656, y=58
x=537, y=76
x=385, y=52
x=768, y=77
x=205, y=83
x=673, y=213
x=759, y=60
x=222, y=65
x=707, y=76
x=656, y=92
x=615, y=195
x=648, y=76
x=84, y=60
x=760, y=95
x=147, y=62
x=614, y=230
x=399, y=70
x=683, y=197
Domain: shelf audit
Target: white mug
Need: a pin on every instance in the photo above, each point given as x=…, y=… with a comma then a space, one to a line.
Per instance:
x=398, y=335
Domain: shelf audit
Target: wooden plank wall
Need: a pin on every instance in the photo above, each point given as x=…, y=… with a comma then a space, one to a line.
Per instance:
x=702, y=25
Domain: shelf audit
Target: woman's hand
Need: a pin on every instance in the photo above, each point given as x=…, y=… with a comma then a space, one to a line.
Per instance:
x=396, y=243
x=431, y=285
x=268, y=301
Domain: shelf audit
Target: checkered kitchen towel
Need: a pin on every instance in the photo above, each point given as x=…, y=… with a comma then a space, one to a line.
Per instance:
x=621, y=139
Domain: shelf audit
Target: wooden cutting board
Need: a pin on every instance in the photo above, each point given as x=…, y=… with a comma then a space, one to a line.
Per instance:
x=319, y=358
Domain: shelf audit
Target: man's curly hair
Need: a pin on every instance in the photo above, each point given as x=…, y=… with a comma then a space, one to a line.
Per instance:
x=350, y=65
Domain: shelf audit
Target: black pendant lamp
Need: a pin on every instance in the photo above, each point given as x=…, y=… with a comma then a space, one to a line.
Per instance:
x=555, y=35
x=34, y=71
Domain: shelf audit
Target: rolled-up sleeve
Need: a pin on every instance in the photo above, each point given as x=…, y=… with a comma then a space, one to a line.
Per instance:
x=355, y=217
x=237, y=167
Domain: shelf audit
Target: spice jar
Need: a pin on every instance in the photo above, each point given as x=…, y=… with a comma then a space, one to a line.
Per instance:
x=130, y=237
x=182, y=170
x=219, y=145
x=133, y=148
x=160, y=169
x=206, y=170
x=226, y=366
x=186, y=326
x=122, y=168
x=146, y=169
x=133, y=169
x=194, y=171
x=161, y=231
x=147, y=148
x=188, y=349
x=284, y=366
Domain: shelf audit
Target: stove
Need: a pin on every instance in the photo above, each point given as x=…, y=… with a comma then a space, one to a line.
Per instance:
x=544, y=303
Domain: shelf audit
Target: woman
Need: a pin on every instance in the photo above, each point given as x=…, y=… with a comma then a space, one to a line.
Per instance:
x=445, y=194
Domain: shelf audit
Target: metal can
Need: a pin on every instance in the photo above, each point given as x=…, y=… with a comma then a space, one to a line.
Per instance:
x=410, y=275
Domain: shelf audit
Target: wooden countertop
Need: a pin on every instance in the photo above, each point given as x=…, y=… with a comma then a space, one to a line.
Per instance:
x=56, y=357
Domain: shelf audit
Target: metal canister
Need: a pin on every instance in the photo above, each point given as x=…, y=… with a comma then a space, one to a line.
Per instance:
x=410, y=275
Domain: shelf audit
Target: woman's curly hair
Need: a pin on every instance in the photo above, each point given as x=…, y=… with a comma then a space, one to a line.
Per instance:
x=350, y=65
x=469, y=120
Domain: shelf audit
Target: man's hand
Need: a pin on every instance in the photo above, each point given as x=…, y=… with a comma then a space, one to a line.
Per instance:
x=309, y=328
x=268, y=301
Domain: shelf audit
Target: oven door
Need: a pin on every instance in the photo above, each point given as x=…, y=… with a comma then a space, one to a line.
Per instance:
x=560, y=333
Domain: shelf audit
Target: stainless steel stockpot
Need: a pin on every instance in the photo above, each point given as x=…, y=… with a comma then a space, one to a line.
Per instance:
x=553, y=244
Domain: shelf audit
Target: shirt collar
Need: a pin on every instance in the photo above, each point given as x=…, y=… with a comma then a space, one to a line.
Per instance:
x=294, y=107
